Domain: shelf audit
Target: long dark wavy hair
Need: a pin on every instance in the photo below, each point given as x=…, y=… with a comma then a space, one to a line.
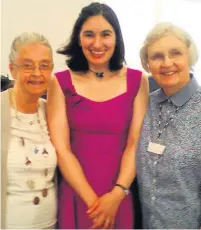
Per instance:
x=76, y=60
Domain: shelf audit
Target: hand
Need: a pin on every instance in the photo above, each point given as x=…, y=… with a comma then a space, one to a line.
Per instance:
x=104, y=209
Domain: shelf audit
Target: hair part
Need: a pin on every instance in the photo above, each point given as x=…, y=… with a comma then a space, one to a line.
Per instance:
x=162, y=29
x=24, y=39
x=76, y=60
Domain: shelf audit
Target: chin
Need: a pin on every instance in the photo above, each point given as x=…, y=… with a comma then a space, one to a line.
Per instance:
x=37, y=92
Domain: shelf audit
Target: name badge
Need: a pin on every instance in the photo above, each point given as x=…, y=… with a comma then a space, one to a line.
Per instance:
x=156, y=148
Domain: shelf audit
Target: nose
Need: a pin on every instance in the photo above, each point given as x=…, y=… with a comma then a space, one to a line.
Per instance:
x=97, y=42
x=167, y=61
x=36, y=71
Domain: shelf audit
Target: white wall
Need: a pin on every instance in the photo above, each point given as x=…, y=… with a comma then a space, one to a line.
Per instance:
x=55, y=19
x=52, y=18
x=138, y=17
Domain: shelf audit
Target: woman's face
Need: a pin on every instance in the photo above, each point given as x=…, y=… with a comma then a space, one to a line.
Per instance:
x=168, y=60
x=32, y=68
x=97, y=39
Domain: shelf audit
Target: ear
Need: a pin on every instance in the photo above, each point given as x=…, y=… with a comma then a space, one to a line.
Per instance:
x=12, y=70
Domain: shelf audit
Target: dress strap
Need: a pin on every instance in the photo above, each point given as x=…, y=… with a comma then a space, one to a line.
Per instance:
x=133, y=81
x=64, y=79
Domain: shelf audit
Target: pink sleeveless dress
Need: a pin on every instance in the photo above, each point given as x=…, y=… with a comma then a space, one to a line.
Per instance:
x=98, y=135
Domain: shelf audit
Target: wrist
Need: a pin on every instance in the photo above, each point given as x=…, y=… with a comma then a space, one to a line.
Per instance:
x=90, y=200
x=123, y=188
x=118, y=193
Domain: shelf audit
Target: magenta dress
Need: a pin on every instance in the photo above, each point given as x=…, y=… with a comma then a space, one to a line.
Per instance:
x=98, y=135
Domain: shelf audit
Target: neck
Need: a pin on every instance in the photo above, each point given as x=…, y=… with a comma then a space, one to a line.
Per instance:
x=173, y=90
x=25, y=103
x=99, y=68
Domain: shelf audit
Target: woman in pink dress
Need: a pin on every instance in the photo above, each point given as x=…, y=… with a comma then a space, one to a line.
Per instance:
x=95, y=113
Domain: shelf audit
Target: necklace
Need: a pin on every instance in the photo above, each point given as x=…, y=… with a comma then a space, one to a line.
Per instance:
x=98, y=74
x=13, y=96
x=160, y=131
x=32, y=122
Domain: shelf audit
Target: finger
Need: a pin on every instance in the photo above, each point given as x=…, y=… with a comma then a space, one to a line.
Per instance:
x=112, y=223
x=93, y=207
x=95, y=213
x=98, y=223
x=107, y=224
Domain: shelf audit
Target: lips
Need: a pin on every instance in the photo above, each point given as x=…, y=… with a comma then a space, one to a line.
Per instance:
x=97, y=54
x=36, y=83
x=168, y=73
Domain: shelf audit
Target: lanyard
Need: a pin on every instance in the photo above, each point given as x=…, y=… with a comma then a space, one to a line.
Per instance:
x=160, y=131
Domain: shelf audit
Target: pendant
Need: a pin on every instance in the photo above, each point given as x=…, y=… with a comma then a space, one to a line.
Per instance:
x=45, y=152
x=36, y=200
x=31, y=184
x=38, y=121
x=99, y=74
x=28, y=162
x=45, y=192
x=36, y=150
x=31, y=122
x=46, y=172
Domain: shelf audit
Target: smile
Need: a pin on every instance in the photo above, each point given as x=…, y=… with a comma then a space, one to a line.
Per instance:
x=97, y=52
x=36, y=82
x=169, y=73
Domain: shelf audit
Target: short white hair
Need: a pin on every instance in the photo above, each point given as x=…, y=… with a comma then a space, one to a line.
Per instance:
x=24, y=39
x=162, y=29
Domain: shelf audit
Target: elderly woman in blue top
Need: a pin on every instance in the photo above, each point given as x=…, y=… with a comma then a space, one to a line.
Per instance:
x=169, y=151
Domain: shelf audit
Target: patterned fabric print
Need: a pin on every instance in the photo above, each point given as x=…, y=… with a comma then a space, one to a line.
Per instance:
x=170, y=184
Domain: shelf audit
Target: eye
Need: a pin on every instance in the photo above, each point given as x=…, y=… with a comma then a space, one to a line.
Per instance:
x=88, y=35
x=106, y=34
x=44, y=66
x=157, y=57
x=28, y=66
x=176, y=53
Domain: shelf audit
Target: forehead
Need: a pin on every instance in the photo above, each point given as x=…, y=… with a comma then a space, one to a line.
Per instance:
x=96, y=23
x=34, y=52
x=167, y=43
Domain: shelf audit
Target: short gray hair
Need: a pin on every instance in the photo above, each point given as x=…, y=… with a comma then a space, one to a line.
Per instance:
x=24, y=39
x=159, y=31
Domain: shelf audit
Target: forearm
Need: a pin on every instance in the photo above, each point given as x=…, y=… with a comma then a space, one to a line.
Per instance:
x=128, y=167
x=74, y=175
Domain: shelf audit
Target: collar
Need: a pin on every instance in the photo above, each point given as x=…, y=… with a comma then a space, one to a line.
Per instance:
x=181, y=97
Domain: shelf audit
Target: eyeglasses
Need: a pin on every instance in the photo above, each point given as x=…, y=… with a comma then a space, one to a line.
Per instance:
x=30, y=68
x=173, y=55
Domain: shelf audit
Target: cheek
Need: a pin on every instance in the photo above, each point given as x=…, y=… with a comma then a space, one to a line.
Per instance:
x=154, y=68
x=110, y=43
x=85, y=43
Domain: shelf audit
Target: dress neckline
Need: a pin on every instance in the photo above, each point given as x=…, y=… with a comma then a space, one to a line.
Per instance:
x=100, y=102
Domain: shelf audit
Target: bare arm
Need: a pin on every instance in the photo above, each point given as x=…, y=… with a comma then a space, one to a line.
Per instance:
x=128, y=162
x=59, y=133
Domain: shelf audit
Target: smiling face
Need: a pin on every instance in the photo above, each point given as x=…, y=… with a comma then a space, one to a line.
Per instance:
x=97, y=39
x=32, y=69
x=168, y=60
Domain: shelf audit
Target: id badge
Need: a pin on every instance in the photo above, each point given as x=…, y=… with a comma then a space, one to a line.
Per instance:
x=156, y=148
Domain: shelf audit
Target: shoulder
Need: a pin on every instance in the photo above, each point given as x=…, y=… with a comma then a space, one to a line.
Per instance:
x=134, y=72
x=62, y=73
x=194, y=104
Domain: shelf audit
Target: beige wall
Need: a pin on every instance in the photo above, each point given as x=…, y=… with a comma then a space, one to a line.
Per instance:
x=52, y=18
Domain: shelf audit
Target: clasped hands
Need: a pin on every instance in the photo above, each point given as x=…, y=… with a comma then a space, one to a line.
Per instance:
x=103, y=211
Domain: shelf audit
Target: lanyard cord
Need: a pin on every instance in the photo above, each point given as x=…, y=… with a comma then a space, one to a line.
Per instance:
x=160, y=131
